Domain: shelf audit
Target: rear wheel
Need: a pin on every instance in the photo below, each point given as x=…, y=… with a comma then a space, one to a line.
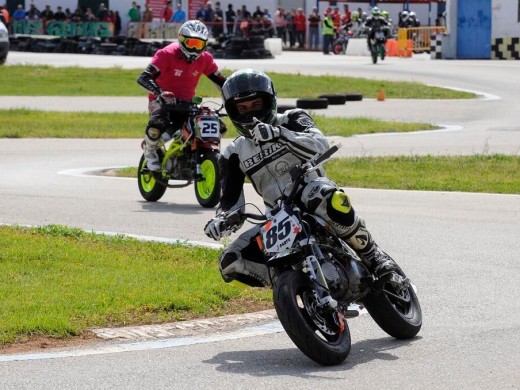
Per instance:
x=316, y=333
x=149, y=187
x=397, y=311
x=207, y=190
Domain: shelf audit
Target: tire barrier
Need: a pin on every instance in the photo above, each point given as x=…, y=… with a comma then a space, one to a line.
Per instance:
x=353, y=97
x=334, y=98
x=281, y=108
x=312, y=103
x=239, y=48
x=225, y=47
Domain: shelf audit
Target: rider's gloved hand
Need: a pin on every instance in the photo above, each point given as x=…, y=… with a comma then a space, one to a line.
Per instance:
x=167, y=97
x=264, y=132
x=216, y=228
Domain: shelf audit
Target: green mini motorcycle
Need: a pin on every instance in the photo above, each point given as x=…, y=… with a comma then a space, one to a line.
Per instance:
x=189, y=155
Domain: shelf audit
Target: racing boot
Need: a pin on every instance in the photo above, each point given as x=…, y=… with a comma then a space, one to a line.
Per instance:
x=360, y=239
x=150, y=153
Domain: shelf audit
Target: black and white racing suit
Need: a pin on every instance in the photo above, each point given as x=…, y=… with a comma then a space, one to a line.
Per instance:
x=267, y=166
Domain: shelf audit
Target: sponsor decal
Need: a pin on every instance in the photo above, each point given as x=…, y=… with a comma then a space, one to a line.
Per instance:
x=267, y=152
x=177, y=72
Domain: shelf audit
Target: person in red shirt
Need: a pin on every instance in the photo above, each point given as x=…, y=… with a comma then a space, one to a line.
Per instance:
x=336, y=19
x=168, y=12
x=300, y=26
x=174, y=73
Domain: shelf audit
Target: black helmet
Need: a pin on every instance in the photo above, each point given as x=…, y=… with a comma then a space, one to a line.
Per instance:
x=248, y=84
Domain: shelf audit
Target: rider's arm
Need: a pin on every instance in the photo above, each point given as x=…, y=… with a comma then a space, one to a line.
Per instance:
x=232, y=181
x=147, y=79
x=218, y=78
x=299, y=134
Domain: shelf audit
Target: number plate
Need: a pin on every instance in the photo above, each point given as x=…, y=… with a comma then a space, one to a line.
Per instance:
x=209, y=127
x=280, y=232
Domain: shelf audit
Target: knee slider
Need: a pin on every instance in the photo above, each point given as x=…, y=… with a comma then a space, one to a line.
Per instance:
x=340, y=209
x=153, y=133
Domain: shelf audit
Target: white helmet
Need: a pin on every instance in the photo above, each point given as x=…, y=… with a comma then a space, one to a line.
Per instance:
x=193, y=39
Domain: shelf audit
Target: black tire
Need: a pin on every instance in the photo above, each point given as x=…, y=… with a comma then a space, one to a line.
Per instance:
x=353, y=97
x=281, y=108
x=324, y=348
x=312, y=103
x=374, y=55
x=336, y=48
x=149, y=187
x=397, y=313
x=335, y=98
x=209, y=195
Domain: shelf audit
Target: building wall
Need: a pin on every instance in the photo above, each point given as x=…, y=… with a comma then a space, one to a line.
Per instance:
x=505, y=19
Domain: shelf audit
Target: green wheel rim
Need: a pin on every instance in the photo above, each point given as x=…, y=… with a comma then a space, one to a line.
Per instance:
x=206, y=187
x=147, y=180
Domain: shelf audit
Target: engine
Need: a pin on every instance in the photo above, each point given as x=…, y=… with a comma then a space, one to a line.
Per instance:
x=181, y=168
x=336, y=277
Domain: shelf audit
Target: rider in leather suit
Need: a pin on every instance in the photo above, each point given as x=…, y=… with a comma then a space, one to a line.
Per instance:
x=375, y=22
x=269, y=146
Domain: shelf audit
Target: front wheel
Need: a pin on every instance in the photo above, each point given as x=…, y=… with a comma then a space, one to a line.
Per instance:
x=149, y=187
x=207, y=190
x=373, y=53
x=397, y=311
x=336, y=48
x=314, y=332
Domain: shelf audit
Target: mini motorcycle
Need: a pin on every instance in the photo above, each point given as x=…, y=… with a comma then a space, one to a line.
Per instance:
x=189, y=155
x=378, y=46
x=317, y=279
x=339, y=46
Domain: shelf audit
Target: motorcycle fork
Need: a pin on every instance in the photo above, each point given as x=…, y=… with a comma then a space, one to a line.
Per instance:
x=312, y=267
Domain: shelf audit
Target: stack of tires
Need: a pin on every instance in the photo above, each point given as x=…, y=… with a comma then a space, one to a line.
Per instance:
x=322, y=101
x=241, y=48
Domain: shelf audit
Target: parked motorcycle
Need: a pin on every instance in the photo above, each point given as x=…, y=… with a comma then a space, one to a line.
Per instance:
x=317, y=278
x=339, y=46
x=189, y=157
x=378, y=46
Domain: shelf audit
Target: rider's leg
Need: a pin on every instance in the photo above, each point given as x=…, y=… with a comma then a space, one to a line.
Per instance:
x=156, y=126
x=244, y=261
x=333, y=205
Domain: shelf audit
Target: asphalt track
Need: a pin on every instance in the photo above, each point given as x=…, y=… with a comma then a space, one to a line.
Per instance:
x=460, y=249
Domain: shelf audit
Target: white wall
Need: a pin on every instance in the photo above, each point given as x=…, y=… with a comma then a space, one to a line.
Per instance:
x=505, y=19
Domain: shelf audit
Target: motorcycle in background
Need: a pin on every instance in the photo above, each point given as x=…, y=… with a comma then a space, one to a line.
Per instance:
x=317, y=277
x=191, y=157
x=339, y=46
x=378, y=45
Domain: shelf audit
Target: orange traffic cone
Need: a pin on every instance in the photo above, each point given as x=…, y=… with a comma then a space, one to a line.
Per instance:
x=380, y=95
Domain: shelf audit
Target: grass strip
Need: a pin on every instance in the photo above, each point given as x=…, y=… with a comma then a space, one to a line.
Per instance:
x=44, y=80
x=68, y=280
x=24, y=123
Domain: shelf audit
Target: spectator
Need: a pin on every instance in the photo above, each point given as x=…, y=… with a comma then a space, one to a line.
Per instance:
x=300, y=27
x=327, y=31
x=20, y=13
x=245, y=12
x=117, y=23
x=47, y=13
x=178, y=18
x=147, y=14
x=167, y=12
x=230, y=19
x=280, y=24
x=257, y=27
x=77, y=16
x=218, y=20
x=238, y=22
x=133, y=13
x=34, y=13
x=59, y=15
x=89, y=16
x=268, y=26
x=291, y=31
x=245, y=26
x=314, y=29
x=258, y=12
x=102, y=12
x=347, y=16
